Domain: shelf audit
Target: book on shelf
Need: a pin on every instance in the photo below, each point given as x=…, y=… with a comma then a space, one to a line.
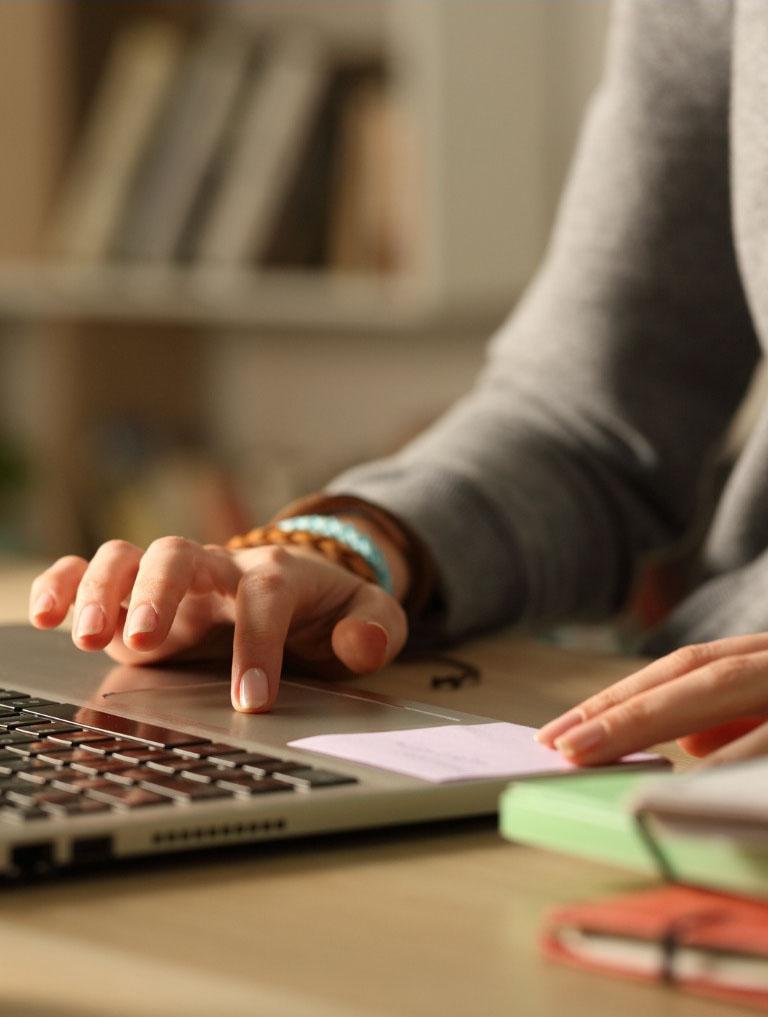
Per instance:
x=118, y=128
x=299, y=237
x=185, y=140
x=375, y=221
x=278, y=113
x=229, y=148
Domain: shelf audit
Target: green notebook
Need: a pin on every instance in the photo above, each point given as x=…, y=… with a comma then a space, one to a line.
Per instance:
x=589, y=817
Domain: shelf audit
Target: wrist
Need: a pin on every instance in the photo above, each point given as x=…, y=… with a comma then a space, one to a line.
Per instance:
x=396, y=561
x=414, y=575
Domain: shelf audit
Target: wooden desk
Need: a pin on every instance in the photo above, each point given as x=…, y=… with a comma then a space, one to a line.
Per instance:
x=431, y=922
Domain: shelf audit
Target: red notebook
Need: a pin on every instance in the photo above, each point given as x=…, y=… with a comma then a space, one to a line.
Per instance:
x=701, y=942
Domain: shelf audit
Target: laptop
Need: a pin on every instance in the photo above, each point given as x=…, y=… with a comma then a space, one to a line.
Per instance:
x=101, y=762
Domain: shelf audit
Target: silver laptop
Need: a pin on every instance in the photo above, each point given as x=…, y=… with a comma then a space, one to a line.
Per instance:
x=101, y=762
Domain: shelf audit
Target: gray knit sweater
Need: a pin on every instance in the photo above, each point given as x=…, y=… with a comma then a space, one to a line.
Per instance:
x=583, y=444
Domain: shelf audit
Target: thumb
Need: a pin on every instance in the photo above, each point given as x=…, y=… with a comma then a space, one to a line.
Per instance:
x=372, y=632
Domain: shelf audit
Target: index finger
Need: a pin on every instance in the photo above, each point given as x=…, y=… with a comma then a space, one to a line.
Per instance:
x=264, y=607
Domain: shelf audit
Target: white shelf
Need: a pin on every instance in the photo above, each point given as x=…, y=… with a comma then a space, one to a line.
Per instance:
x=351, y=27
x=210, y=298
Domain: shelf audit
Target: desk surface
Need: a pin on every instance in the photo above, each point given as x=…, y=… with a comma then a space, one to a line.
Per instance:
x=436, y=921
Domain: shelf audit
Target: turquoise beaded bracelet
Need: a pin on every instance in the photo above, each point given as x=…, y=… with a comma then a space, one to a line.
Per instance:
x=345, y=533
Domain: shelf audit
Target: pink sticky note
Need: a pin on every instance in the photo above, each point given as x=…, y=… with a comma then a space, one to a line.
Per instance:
x=452, y=752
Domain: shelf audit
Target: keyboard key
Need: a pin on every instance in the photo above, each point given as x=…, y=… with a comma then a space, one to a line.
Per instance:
x=183, y=790
x=127, y=797
x=76, y=737
x=38, y=776
x=239, y=759
x=78, y=783
x=42, y=708
x=141, y=755
x=30, y=749
x=202, y=776
x=14, y=739
x=70, y=806
x=242, y=784
x=234, y=780
x=12, y=783
x=309, y=779
x=43, y=729
x=24, y=794
x=174, y=765
x=13, y=721
x=202, y=749
x=131, y=775
x=30, y=703
x=56, y=755
x=212, y=774
x=11, y=766
x=97, y=720
x=196, y=751
x=97, y=766
x=32, y=764
x=277, y=765
x=18, y=814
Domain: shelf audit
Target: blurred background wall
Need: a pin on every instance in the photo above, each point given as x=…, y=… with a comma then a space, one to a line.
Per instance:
x=245, y=244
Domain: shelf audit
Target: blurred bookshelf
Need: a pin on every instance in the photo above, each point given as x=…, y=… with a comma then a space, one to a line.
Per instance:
x=179, y=172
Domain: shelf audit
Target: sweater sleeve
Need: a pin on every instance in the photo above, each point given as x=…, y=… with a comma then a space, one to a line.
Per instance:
x=582, y=444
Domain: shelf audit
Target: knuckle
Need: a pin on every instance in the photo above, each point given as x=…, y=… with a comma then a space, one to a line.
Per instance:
x=729, y=671
x=171, y=544
x=632, y=714
x=266, y=581
x=115, y=548
x=691, y=657
x=64, y=564
x=605, y=700
x=273, y=557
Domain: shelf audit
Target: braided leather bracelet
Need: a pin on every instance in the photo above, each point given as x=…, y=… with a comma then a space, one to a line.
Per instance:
x=332, y=549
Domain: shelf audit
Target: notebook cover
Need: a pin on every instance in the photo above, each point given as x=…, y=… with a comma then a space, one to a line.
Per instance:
x=674, y=917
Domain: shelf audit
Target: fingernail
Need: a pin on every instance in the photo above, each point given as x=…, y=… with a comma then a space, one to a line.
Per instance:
x=143, y=619
x=254, y=689
x=43, y=604
x=382, y=630
x=549, y=732
x=90, y=621
x=587, y=737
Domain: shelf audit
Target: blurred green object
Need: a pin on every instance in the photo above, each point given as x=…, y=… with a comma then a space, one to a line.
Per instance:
x=590, y=817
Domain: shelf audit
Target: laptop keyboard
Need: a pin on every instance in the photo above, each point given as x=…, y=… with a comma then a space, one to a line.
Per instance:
x=53, y=764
